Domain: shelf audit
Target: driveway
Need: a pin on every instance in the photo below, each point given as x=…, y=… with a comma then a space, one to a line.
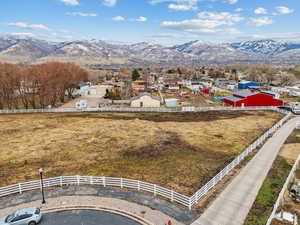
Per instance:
x=85, y=217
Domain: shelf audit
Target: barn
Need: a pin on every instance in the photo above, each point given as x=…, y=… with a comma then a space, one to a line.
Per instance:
x=248, y=98
x=248, y=84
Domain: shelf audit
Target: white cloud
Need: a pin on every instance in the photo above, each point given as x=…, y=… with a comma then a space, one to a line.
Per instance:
x=260, y=22
x=190, y=2
x=118, y=18
x=178, y=7
x=30, y=26
x=232, y=1
x=192, y=24
x=260, y=11
x=24, y=34
x=141, y=19
x=214, y=31
x=109, y=3
x=81, y=14
x=226, y=17
x=208, y=23
x=70, y=2
x=284, y=10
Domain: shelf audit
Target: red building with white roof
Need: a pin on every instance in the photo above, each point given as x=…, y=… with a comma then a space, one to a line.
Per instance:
x=248, y=98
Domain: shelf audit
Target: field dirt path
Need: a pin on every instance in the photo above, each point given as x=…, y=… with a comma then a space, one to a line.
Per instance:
x=234, y=203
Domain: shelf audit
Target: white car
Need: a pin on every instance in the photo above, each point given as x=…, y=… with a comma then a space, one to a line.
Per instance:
x=28, y=216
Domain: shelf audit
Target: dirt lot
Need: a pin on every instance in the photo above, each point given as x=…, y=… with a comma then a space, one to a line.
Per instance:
x=179, y=151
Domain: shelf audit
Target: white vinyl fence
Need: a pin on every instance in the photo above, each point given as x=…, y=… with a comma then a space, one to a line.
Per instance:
x=103, y=181
x=284, y=188
x=132, y=110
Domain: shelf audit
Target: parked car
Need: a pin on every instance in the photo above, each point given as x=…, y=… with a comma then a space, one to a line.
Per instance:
x=28, y=216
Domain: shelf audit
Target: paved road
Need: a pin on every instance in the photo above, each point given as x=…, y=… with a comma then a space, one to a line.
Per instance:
x=234, y=203
x=85, y=217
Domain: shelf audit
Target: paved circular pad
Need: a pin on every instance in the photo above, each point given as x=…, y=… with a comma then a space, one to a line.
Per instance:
x=85, y=217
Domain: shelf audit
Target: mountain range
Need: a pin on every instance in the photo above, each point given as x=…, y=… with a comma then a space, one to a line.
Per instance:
x=24, y=49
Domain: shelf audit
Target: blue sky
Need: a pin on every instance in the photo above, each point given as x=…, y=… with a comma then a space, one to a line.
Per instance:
x=166, y=22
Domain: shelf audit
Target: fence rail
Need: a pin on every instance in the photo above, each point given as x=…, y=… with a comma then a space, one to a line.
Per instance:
x=284, y=188
x=144, y=186
x=92, y=180
x=130, y=109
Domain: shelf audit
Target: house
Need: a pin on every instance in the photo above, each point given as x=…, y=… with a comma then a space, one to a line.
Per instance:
x=145, y=100
x=139, y=85
x=248, y=84
x=248, y=98
x=95, y=90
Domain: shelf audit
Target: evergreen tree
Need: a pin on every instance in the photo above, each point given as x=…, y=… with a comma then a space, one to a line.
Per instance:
x=135, y=75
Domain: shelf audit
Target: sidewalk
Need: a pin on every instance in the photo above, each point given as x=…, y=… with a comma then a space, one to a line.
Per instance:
x=234, y=203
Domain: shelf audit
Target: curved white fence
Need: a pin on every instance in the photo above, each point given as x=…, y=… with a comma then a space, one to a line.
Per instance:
x=144, y=186
x=103, y=181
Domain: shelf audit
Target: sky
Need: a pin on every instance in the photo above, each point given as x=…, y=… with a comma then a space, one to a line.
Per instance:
x=166, y=22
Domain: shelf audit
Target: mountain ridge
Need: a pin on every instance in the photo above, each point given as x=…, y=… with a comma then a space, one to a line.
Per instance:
x=18, y=49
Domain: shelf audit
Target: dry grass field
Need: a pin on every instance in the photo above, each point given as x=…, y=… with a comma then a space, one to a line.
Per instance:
x=179, y=151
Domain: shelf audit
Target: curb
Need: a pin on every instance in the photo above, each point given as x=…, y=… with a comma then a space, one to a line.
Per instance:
x=97, y=208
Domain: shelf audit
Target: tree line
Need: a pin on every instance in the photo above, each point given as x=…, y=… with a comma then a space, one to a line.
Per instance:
x=38, y=86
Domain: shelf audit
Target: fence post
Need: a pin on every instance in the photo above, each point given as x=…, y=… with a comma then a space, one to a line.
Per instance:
x=91, y=180
x=20, y=188
x=61, y=181
x=78, y=180
x=104, y=182
x=154, y=191
x=139, y=186
x=190, y=204
x=121, y=182
x=172, y=195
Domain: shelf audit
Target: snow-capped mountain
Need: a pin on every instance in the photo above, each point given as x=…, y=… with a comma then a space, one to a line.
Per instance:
x=16, y=49
x=212, y=52
x=265, y=47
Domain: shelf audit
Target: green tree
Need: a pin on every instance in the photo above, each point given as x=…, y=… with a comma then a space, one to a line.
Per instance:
x=135, y=75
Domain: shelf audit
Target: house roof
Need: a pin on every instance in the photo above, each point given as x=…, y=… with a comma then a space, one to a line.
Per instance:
x=145, y=94
x=244, y=93
x=232, y=98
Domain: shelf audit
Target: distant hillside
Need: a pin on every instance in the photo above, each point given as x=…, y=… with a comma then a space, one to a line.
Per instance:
x=16, y=49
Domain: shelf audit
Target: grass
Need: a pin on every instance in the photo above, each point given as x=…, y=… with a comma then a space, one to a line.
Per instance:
x=274, y=181
x=178, y=151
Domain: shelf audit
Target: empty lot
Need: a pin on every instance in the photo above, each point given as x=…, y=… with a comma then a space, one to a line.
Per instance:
x=179, y=151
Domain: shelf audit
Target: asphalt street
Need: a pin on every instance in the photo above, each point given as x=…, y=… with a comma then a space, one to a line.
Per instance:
x=85, y=217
